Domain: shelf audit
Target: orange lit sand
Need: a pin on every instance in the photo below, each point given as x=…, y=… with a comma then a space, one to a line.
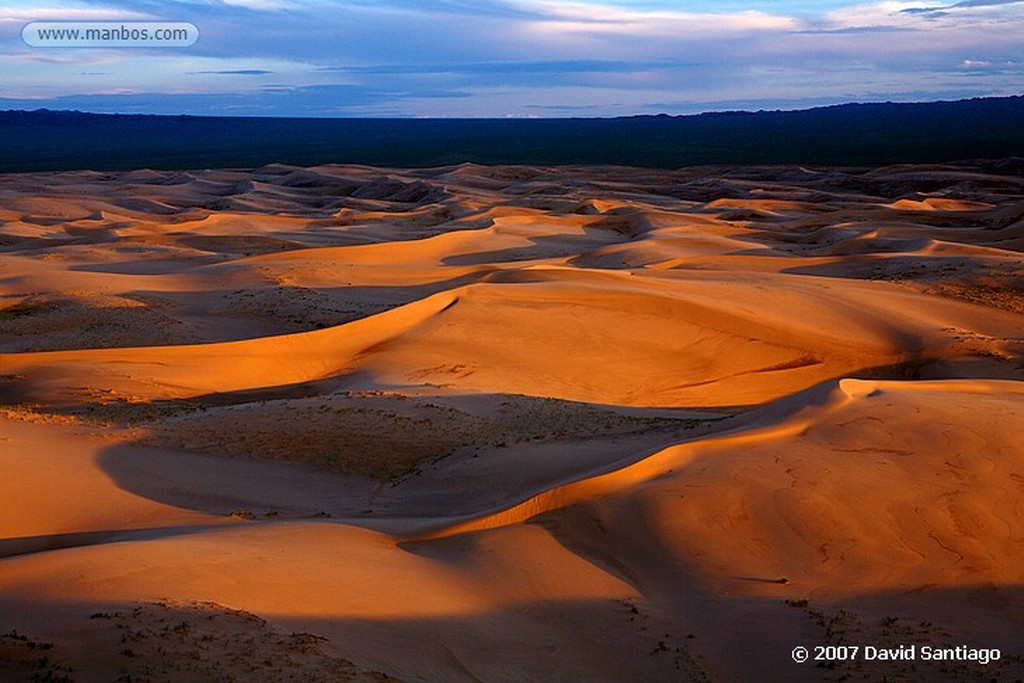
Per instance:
x=510, y=423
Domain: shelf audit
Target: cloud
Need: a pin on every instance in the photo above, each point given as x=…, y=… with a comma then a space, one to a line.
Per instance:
x=24, y=14
x=593, y=18
x=986, y=3
x=271, y=101
x=233, y=72
x=851, y=30
x=497, y=57
x=938, y=12
x=913, y=12
x=504, y=67
x=264, y=5
x=983, y=67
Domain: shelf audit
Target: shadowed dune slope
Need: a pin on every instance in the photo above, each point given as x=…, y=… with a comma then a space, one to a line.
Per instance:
x=654, y=343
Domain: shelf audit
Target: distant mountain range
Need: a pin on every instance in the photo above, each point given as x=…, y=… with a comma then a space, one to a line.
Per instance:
x=843, y=135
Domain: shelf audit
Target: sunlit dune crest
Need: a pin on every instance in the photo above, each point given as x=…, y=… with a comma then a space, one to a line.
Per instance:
x=510, y=423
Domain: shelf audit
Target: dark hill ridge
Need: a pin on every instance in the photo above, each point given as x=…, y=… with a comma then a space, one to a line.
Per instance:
x=842, y=135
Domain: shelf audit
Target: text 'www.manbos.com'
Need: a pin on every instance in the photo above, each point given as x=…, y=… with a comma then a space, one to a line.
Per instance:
x=110, y=34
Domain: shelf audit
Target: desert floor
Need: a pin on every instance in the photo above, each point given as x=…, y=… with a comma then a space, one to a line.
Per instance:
x=510, y=423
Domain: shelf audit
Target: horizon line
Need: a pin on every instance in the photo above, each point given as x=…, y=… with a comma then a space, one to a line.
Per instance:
x=710, y=112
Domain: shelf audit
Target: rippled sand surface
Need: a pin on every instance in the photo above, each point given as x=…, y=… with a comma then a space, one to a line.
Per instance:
x=510, y=423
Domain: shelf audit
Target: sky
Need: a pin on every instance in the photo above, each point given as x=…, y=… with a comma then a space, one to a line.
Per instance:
x=516, y=58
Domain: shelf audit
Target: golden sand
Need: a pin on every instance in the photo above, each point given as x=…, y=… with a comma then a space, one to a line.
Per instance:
x=510, y=423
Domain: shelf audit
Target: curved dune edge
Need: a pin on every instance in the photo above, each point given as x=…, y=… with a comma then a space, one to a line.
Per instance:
x=696, y=344
x=188, y=371
x=805, y=501
x=810, y=408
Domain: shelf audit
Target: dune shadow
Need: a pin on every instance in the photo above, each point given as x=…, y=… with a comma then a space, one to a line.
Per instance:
x=316, y=448
x=27, y=545
x=543, y=247
x=617, y=638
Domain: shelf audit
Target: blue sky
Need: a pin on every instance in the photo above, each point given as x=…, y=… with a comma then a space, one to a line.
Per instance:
x=496, y=58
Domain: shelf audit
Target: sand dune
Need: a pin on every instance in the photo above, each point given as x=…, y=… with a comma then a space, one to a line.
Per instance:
x=510, y=423
x=691, y=342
